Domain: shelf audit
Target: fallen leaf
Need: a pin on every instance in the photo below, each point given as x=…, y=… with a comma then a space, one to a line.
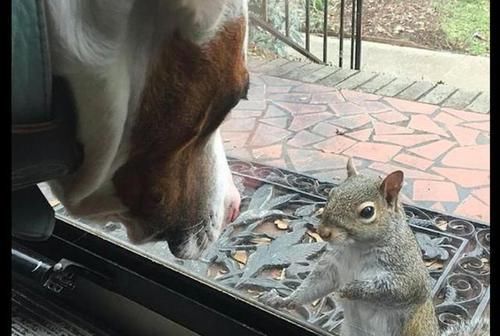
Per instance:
x=260, y=240
x=315, y=236
x=241, y=257
x=281, y=224
x=442, y=224
x=319, y=212
x=434, y=265
x=282, y=275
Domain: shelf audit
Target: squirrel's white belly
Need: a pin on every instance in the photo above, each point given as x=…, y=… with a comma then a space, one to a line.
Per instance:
x=372, y=320
x=362, y=318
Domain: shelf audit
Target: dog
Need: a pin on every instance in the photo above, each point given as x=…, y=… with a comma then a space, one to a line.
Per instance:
x=152, y=81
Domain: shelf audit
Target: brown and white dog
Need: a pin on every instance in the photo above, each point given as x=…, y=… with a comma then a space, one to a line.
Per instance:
x=152, y=80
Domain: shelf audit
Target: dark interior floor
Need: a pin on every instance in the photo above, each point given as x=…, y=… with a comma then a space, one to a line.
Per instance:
x=33, y=314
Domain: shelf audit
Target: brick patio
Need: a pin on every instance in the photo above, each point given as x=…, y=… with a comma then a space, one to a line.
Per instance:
x=311, y=129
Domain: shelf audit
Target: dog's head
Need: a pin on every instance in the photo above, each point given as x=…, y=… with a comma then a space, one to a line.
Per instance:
x=159, y=164
x=173, y=181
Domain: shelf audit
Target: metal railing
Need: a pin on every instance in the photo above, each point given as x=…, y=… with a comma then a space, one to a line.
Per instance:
x=260, y=19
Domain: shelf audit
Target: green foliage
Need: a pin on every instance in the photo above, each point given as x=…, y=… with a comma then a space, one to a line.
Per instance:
x=466, y=23
x=276, y=17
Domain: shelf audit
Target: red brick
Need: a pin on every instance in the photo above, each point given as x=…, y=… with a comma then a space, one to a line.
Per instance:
x=306, y=160
x=474, y=157
x=342, y=109
x=290, y=97
x=243, y=124
x=373, y=151
x=466, y=178
x=405, y=199
x=327, y=130
x=301, y=122
x=313, y=88
x=465, y=136
x=304, y=138
x=257, y=92
x=376, y=107
x=268, y=135
x=363, y=135
x=297, y=108
x=234, y=139
x=383, y=128
x=336, y=176
x=357, y=96
x=279, y=163
x=336, y=144
x=424, y=123
x=276, y=81
x=483, y=126
x=406, y=140
x=447, y=119
x=391, y=117
x=424, y=190
x=327, y=98
x=274, y=111
x=483, y=194
x=467, y=116
x=472, y=208
x=277, y=89
x=433, y=150
x=410, y=106
x=280, y=122
x=251, y=105
x=409, y=173
x=438, y=207
x=267, y=153
x=244, y=114
x=352, y=122
x=413, y=161
x=240, y=153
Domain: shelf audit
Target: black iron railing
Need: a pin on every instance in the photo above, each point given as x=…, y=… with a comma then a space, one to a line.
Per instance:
x=260, y=19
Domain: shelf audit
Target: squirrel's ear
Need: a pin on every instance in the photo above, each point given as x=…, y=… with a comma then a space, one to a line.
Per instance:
x=351, y=170
x=391, y=186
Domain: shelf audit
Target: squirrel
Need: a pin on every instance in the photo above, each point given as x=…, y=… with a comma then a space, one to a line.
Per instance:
x=373, y=263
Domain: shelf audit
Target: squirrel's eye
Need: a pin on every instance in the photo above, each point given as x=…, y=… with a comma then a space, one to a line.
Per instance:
x=367, y=212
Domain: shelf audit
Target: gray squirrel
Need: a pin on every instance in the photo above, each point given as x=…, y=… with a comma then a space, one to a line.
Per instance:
x=373, y=264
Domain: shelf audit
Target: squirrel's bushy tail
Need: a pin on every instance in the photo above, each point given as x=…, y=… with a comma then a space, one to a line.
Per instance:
x=469, y=329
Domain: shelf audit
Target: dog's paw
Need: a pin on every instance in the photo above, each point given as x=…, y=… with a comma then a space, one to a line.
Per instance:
x=273, y=299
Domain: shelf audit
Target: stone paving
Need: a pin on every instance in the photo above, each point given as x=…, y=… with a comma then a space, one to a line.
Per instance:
x=378, y=83
x=312, y=129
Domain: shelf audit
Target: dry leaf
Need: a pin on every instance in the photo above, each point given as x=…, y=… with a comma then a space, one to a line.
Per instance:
x=276, y=273
x=282, y=275
x=319, y=212
x=261, y=240
x=315, y=236
x=433, y=265
x=241, y=257
x=442, y=224
x=281, y=224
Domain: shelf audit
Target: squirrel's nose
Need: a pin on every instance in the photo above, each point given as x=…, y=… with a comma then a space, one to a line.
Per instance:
x=324, y=232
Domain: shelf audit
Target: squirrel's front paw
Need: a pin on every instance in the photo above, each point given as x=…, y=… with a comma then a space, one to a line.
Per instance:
x=273, y=299
x=350, y=291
